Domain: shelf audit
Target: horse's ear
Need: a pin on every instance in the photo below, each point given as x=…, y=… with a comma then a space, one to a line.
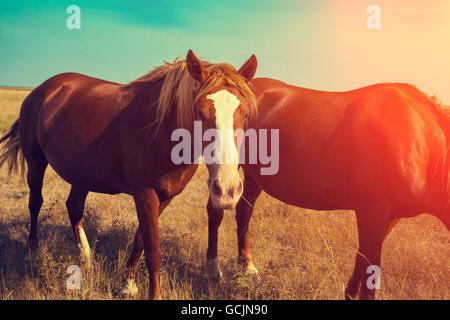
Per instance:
x=195, y=67
x=248, y=69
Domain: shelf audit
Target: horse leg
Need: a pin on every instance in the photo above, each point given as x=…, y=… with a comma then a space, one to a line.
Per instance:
x=356, y=281
x=75, y=207
x=132, y=262
x=147, y=207
x=244, y=210
x=389, y=229
x=136, y=253
x=215, y=217
x=35, y=177
x=372, y=227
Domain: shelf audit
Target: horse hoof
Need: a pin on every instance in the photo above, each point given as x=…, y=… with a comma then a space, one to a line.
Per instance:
x=31, y=255
x=28, y=258
x=130, y=289
x=216, y=278
x=89, y=263
x=350, y=297
x=157, y=297
x=250, y=269
x=33, y=245
x=214, y=272
x=363, y=296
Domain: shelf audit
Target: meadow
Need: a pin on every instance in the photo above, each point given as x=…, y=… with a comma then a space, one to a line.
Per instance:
x=300, y=254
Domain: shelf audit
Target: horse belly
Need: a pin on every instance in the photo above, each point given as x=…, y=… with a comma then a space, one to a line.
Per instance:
x=311, y=189
x=93, y=175
x=81, y=158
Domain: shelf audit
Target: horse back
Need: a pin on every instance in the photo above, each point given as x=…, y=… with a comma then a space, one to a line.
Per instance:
x=340, y=150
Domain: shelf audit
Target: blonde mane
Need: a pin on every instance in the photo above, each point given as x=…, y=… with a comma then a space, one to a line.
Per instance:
x=180, y=90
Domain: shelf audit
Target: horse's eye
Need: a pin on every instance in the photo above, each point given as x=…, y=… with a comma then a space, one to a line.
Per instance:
x=245, y=117
x=201, y=115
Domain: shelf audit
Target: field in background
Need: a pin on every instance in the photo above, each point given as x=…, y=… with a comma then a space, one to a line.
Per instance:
x=301, y=254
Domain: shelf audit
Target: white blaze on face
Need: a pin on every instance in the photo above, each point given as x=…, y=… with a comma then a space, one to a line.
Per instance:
x=226, y=104
x=224, y=181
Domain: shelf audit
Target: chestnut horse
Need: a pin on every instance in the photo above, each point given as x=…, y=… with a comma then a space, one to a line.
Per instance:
x=380, y=150
x=110, y=138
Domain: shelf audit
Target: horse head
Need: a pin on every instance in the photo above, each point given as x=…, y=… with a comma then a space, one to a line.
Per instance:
x=223, y=105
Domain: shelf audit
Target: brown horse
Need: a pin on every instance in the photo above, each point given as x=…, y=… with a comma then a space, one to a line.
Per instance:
x=105, y=137
x=380, y=150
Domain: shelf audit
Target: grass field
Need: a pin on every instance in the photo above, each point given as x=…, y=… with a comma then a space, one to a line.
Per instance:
x=301, y=254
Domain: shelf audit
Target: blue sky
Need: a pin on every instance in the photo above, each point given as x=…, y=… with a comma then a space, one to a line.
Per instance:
x=121, y=40
x=321, y=44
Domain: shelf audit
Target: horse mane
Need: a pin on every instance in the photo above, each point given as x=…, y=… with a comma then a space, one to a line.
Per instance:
x=442, y=114
x=182, y=91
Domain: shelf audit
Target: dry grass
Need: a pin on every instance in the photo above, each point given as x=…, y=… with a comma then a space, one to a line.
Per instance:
x=301, y=254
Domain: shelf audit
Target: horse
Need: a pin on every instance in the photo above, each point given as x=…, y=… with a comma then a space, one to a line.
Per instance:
x=379, y=150
x=112, y=138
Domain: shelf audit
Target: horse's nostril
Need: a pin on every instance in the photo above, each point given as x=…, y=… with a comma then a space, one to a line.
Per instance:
x=216, y=189
x=239, y=188
x=236, y=190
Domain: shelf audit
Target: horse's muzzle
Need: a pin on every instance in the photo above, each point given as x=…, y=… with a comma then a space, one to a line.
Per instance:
x=225, y=195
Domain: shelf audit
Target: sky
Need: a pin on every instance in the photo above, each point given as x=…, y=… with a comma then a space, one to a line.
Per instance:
x=320, y=44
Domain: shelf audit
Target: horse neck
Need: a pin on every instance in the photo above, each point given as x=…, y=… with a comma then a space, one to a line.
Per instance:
x=159, y=138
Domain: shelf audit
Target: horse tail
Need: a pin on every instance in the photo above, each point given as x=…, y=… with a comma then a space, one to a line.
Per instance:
x=445, y=113
x=444, y=122
x=442, y=114
x=11, y=152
